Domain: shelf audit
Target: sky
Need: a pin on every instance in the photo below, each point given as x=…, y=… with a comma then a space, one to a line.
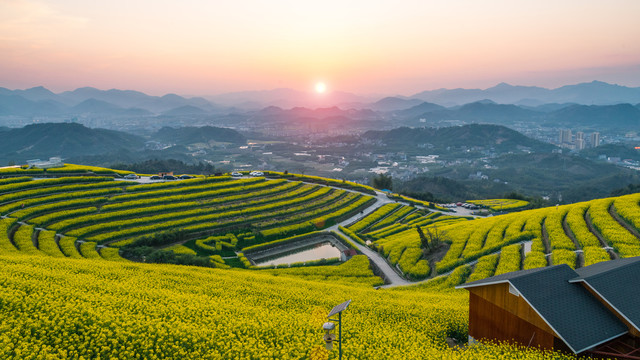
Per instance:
x=203, y=47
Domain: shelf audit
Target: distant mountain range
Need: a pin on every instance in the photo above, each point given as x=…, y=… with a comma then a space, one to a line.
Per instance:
x=619, y=116
x=289, y=98
x=39, y=101
x=593, y=93
x=594, y=104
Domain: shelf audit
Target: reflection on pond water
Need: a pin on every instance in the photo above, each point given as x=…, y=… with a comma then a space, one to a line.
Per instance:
x=319, y=251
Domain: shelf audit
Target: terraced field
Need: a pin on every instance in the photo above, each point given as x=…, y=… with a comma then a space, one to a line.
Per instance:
x=577, y=235
x=216, y=217
x=500, y=204
x=92, y=216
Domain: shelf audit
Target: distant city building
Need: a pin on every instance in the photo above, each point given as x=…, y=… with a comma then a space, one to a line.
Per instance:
x=579, y=135
x=580, y=144
x=595, y=139
x=565, y=137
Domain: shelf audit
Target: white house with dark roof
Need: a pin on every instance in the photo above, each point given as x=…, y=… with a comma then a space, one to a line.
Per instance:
x=593, y=310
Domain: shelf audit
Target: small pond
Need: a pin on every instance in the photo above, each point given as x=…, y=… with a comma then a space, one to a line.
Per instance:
x=324, y=250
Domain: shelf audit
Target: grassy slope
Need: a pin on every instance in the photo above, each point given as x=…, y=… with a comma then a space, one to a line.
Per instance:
x=66, y=308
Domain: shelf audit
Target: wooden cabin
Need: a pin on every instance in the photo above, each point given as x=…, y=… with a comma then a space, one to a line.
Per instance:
x=593, y=310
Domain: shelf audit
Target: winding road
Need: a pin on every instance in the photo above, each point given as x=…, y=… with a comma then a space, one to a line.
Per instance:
x=391, y=275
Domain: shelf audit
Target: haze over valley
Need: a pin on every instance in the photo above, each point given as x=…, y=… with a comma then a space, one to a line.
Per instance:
x=352, y=140
x=319, y=179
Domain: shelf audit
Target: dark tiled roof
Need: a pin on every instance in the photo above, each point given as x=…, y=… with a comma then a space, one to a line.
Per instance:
x=501, y=278
x=575, y=315
x=618, y=283
x=605, y=267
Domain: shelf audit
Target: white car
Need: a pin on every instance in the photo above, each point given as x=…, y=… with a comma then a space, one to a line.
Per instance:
x=256, y=173
x=131, y=176
x=236, y=174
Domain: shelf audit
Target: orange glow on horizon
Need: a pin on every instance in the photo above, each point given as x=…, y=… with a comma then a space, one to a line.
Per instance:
x=200, y=47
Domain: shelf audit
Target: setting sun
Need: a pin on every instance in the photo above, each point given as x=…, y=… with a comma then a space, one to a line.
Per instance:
x=321, y=87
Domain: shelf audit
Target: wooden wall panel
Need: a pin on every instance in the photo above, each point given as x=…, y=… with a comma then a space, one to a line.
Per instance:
x=489, y=321
x=500, y=296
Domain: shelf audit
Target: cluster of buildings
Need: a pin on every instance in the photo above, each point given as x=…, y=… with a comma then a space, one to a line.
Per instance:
x=578, y=141
x=53, y=162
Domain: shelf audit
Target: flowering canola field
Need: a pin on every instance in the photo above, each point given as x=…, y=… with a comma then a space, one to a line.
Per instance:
x=62, y=308
x=59, y=299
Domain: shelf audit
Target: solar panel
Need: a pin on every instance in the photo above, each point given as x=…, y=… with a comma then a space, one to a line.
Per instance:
x=339, y=308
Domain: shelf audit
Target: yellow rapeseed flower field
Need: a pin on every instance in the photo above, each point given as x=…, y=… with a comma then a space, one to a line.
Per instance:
x=61, y=308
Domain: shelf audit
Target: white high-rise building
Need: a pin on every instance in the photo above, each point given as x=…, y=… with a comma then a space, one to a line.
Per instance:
x=564, y=137
x=595, y=139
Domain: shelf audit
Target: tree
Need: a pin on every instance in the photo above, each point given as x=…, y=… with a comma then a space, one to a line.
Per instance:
x=382, y=181
x=423, y=239
x=515, y=195
x=431, y=240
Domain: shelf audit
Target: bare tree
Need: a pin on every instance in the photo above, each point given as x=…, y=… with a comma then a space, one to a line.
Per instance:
x=432, y=240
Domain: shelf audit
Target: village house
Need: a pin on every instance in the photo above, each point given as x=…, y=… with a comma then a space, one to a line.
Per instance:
x=594, y=310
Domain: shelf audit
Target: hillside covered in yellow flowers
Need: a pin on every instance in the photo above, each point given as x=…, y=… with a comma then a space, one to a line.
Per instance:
x=69, y=291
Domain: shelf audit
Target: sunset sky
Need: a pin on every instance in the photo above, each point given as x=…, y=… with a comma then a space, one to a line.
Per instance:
x=203, y=47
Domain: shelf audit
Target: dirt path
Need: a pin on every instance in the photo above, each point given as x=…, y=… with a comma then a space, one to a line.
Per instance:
x=567, y=230
x=545, y=241
x=34, y=238
x=603, y=242
x=614, y=214
x=569, y=233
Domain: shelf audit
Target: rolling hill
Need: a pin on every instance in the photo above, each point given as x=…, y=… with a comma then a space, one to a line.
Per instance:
x=620, y=116
x=62, y=139
x=192, y=135
x=570, y=178
x=499, y=137
x=393, y=104
x=62, y=242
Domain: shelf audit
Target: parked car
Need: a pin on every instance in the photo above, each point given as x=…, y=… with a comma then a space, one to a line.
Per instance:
x=256, y=173
x=155, y=177
x=169, y=177
x=131, y=176
x=236, y=174
x=185, y=177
